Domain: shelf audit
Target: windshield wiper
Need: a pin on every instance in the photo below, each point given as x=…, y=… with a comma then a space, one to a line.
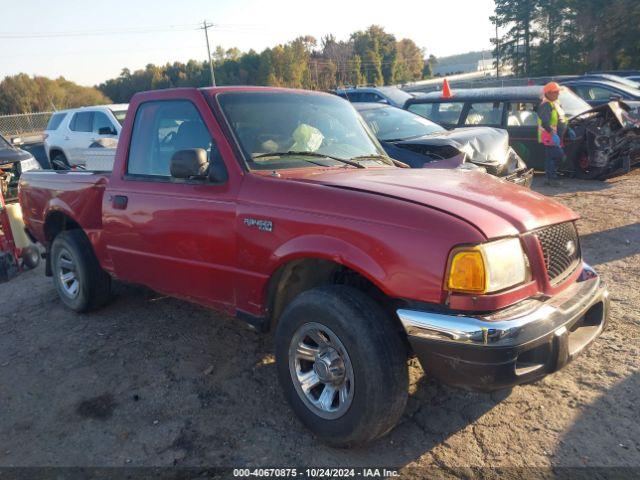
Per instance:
x=292, y=153
x=382, y=158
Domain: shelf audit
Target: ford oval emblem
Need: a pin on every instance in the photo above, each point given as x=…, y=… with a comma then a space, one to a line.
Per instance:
x=571, y=248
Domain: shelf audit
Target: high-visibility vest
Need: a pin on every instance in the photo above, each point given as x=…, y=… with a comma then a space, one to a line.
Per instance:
x=545, y=137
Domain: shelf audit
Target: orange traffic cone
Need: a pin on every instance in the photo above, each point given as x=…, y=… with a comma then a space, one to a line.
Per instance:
x=446, y=90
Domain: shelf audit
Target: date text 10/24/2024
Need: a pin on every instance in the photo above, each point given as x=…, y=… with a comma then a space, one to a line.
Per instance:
x=315, y=473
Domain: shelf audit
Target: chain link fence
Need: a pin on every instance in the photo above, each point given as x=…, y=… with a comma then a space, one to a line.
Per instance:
x=24, y=124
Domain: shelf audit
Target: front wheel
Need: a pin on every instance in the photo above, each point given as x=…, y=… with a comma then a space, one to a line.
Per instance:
x=584, y=171
x=342, y=365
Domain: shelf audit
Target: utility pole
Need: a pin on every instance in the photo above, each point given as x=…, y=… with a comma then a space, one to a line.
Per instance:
x=204, y=27
x=497, y=52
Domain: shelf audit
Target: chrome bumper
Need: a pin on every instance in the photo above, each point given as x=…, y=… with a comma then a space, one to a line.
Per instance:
x=516, y=325
x=516, y=345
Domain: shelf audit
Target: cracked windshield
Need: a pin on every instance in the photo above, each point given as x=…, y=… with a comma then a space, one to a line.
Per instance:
x=294, y=130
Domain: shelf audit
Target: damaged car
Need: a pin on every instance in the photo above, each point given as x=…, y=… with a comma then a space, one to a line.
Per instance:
x=608, y=141
x=13, y=162
x=607, y=137
x=420, y=143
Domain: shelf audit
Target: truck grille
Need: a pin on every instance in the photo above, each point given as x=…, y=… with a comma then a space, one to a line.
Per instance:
x=561, y=249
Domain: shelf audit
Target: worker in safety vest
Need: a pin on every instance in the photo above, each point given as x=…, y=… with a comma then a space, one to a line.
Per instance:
x=552, y=126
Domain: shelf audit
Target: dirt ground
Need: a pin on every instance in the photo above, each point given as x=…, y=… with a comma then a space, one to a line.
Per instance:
x=153, y=381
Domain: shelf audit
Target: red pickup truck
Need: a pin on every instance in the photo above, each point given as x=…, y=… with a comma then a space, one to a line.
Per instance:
x=280, y=207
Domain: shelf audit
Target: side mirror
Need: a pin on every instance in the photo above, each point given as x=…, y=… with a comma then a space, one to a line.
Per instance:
x=189, y=163
x=107, y=131
x=16, y=141
x=615, y=98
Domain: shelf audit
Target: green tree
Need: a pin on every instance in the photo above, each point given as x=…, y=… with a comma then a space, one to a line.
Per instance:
x=377, y=51
x=355, y=75
x=558, y=50
x=553, y=37
x=515, y=46
x=429, y=66
x=409, y=63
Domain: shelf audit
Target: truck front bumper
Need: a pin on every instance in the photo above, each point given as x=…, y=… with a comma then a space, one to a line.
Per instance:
x=516, y=345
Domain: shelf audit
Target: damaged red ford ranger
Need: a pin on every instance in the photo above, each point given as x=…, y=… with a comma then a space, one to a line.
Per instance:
x=280, y=207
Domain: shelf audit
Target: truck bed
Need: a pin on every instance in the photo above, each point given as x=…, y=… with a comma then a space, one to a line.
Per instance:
x=77, y=195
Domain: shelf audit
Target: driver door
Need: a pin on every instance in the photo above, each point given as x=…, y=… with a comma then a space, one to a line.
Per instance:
x=174, y=236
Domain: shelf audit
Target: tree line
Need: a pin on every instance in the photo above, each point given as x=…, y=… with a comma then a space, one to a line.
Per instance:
x=370, y=56
x=556, y=37
x=24, y=94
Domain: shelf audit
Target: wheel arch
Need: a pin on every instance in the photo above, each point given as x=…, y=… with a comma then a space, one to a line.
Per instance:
x=313, y=261
x=56, y=221
x=54, y=149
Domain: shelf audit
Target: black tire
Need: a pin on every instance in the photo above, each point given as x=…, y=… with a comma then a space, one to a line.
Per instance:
x=591, y=174
x=93, y=284
x=377, y=354
x=59, y=162
x=30, y=257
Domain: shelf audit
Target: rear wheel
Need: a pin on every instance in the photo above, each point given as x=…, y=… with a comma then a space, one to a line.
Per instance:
x=82, y=285
x=342, y=365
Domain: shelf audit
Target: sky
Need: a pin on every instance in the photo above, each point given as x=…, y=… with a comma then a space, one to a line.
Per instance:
x=88, y=42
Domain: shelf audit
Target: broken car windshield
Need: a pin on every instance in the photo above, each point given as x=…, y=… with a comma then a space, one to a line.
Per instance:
x=392, y=124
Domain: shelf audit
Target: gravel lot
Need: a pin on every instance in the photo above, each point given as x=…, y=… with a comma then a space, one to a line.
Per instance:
x=153, y=381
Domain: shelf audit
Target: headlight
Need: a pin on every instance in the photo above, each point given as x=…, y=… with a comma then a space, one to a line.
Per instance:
x=489, y=267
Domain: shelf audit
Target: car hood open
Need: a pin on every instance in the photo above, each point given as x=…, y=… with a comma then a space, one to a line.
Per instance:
x=617, y=109
x=495, y=207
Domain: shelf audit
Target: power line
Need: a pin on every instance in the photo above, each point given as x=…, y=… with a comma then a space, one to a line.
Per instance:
x=190, y=48
x=122, y=31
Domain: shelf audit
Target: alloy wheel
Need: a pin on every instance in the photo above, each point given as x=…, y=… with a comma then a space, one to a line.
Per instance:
x=67, y=273
x=321, y=370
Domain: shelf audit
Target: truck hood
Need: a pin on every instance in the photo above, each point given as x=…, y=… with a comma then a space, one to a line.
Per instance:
x=495, y=207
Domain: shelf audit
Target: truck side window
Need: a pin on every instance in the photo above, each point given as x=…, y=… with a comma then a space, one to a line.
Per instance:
x=160, y=129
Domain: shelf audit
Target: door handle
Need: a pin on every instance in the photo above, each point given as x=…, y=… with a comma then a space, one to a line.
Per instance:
x=119, y=202
x=66, y=138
